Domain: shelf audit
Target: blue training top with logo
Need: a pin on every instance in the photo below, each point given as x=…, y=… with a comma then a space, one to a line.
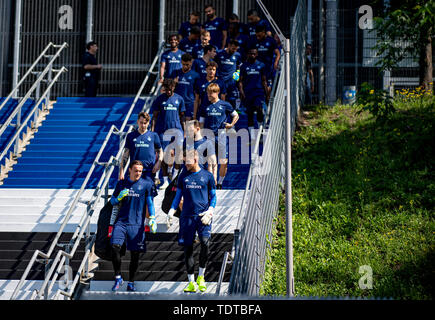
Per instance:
x=189, y=46
x=132, y=211
x=215, y=115
x=185, y=87
x=169, y=109
x=266, y=50
x=215, y=27
x=201, y=89
x=172, y=60
x=228, y=64
x=143, y=147
x=198, y=190
x=251, y=74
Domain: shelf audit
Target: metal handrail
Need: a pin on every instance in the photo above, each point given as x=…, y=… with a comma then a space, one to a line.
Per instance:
x=228, y=255
x=50, y=44
x=17, y=133
x=85, y=219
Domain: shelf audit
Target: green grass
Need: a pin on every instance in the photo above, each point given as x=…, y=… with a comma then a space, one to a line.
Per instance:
x=363, y=194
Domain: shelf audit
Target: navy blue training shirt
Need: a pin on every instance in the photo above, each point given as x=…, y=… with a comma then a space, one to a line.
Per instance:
x=228, y=64
x=132, y=207
x=252, y=74
x=201, y=89
x=143, y=147
x=169, y=109
x=215, y=115
x=172, y=60
x=197, y=189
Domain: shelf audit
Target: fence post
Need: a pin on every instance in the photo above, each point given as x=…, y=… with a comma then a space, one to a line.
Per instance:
x=288, y=187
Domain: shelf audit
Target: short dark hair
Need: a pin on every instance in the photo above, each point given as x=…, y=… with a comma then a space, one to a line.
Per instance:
x=144, y=115
x=260, y=28
x=234, y=42
x=134, y=163
x=169, y=83
x=173, y=35
x=195, y=30
x=186, y=57
x=90, y=44
x=234, y=16
x=208, y=48
x=211, y=64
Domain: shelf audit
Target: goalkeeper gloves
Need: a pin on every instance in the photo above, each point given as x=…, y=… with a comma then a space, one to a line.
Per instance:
x=207, y=216
x=120, y=196
x=170, y=216
x=109, y=234
x=153, y=224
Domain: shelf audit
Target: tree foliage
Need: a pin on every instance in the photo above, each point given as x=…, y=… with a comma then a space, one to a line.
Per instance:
x=406, y=29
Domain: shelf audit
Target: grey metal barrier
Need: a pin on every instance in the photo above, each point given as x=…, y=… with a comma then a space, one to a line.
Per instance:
x=82, y=230
x=45, y=75
x=253, y=233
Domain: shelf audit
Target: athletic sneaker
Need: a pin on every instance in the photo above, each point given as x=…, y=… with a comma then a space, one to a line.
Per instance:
x=156, y=181
x=118, y=284
x=147, y=228
x=131, y=286
x=201, y=283
x=191, y=287
x=164, y=185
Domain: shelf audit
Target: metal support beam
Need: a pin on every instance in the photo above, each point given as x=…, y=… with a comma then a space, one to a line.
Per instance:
x=89, y=21
x=162, y=9
x=236, y=7
x=321, y=71
x=17, y=41
x=288, y=177
x=331, y=52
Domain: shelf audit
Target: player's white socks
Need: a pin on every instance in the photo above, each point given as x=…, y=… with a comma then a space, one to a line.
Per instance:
x=221, y=179
x=201, y=272
x=191, y=277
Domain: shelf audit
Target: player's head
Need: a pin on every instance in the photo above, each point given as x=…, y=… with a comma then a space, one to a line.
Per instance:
x=186, y=62
x=92, y=47
x=210, y=51
x=210, y=11
x=135, y=170
x=194, y=17
x=234, y=28
x=213, y=91
x=233, y=46
x=191, y=159
x=192, y=127
x=233, y=18
x=205, y=37
x=195, y=33
x=143, y=120
x=260, y=32
x=211, y=68
x=253, y=16
x=168, y=86
x=252, y=54
x=173, y=40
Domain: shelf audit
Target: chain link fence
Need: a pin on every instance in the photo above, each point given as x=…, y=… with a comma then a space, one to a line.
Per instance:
x=253, y=234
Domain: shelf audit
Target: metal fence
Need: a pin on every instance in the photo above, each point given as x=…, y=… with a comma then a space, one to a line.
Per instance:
x=127, y=32
x=254, y=230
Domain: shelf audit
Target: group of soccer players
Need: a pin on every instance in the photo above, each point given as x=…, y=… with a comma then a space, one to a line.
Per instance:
x=215, y=71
